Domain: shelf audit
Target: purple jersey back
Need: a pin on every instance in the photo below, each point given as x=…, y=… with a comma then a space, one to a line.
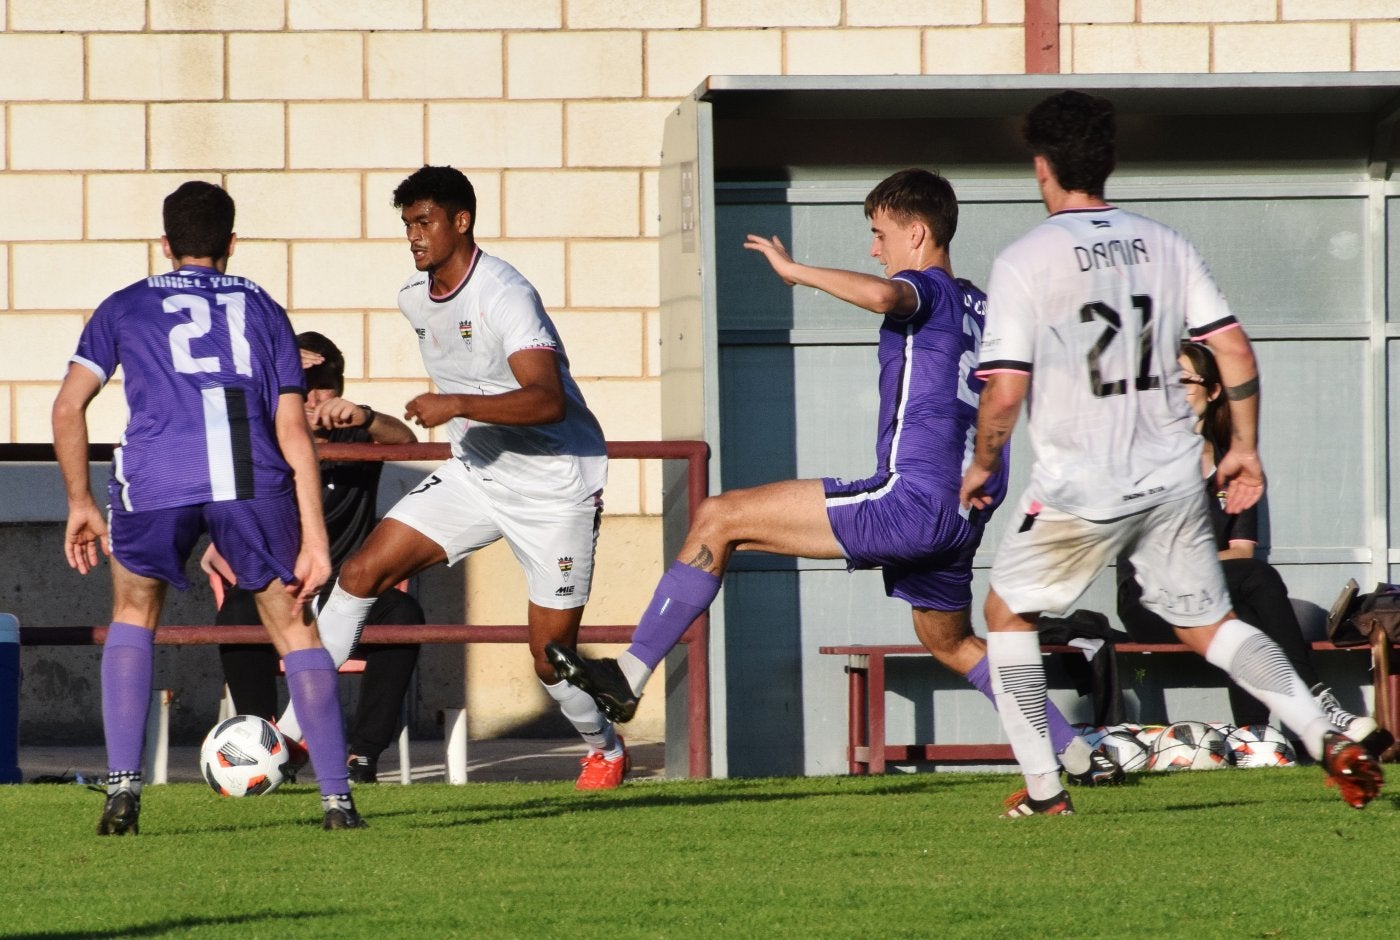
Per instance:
x=204, y=357
x=929, y=390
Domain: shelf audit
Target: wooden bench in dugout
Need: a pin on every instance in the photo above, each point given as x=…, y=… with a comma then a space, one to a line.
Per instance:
x=868, y=751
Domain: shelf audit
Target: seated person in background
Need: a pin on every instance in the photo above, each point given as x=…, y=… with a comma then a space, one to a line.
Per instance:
x=1257, y=592
x=349, y=490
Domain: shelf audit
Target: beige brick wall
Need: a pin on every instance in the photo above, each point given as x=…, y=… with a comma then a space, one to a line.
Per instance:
x=311, y=111
x=853, y=52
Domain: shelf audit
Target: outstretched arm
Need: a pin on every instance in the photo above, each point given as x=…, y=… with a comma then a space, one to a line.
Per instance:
x=880, y=295
x=996, y=419
x=87, y=528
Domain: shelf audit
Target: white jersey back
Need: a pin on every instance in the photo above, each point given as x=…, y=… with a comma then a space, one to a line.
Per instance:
x=1093, y=305
x=466, y=340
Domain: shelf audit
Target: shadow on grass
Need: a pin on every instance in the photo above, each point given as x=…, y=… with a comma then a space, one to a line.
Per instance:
x=756, y=791
x=161, y=928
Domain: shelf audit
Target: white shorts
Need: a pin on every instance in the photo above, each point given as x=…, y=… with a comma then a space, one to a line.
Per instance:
x=553, y=540
x=1049, y=557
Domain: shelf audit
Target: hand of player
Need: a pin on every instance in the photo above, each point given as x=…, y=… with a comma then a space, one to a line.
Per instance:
x=312, y=570
x=776, y=253
x=430, y=410
x=212, y=563
x=86, y=530
x=309, y=359
x=1242, y=476
x=336, y=413
x=973, y=494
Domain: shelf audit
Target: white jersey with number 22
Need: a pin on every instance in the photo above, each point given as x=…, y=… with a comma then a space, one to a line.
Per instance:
x=1092, y=304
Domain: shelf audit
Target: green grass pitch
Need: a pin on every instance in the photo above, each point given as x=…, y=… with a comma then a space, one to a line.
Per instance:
x=1233, y=853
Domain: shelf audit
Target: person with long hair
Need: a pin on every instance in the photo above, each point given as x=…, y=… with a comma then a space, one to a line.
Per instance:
x=1257, y=591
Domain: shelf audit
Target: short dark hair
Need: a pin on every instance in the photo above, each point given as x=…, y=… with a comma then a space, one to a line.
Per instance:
x=198, y=220
x=329, y=374
x=447, y=186
x=917, y=194
x=1075, y=133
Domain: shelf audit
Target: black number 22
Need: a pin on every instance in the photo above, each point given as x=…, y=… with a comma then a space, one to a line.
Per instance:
x=1144, y=380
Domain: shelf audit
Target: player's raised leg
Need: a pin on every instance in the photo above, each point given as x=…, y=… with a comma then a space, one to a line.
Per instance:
x=786, y=518
x=1259, y=666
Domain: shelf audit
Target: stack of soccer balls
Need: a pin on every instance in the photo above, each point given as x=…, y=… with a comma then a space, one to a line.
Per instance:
x=1190, y=745
x=244, y=756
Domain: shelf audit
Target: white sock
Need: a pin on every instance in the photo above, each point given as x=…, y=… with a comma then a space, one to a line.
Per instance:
x=636, y=671
x=1075, y=757
x=1258, y=666
x=583, y=713
x=1018, y=682
x=339, y=621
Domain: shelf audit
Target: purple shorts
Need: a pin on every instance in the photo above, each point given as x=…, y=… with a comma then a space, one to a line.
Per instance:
x=924, y=542
x=259, y=538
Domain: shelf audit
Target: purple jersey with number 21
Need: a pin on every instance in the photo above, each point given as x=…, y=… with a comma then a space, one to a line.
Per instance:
x=204, y=357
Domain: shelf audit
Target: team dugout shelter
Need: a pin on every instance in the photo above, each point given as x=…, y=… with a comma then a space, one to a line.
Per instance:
x=1284, y=182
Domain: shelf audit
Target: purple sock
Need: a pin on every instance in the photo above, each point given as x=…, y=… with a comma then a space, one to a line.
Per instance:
x=315, y=693
x=128, y=660
x=1061, y=732
x=681, y=595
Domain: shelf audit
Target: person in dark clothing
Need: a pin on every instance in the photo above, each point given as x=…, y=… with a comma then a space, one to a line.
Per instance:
x=349, y=491
x=1257, y=591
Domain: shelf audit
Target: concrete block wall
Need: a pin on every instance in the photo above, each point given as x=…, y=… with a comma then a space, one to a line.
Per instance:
x=310, y=111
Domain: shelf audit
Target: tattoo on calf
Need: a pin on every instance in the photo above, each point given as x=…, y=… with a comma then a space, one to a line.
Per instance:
x=703, y=559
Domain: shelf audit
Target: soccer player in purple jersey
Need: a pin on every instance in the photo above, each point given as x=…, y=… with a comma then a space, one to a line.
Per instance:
x=906, y=518
x=216, y=442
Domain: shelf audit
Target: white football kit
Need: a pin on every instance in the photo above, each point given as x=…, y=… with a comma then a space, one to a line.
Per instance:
x=1092, y=304
x=537, y=486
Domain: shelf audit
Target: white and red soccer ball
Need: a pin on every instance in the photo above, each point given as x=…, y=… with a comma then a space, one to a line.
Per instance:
x=244, y=756
x=1189, y=745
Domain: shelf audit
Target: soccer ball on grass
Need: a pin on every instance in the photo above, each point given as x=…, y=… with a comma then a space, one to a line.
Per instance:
x=244, y=756
x=1125, y=749
x=1189, y=745
x=1260, y=746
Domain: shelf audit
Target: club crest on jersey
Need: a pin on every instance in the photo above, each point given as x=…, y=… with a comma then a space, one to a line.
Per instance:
x=465, y=329
x=566, y=566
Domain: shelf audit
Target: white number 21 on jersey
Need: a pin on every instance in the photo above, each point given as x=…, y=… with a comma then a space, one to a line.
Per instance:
x=201, y=321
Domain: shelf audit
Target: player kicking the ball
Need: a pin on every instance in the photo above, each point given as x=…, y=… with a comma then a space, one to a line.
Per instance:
x=905, y=518
x=1093, y=303
x=217, y=442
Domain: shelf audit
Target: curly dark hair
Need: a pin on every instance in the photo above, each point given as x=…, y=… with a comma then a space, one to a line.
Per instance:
x=447, y=186
x=917, y=194
x=198, y=220
x=1075, y=132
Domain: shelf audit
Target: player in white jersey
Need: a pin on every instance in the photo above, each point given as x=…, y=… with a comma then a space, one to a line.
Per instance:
x=1092, y=304
x=528, y=458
